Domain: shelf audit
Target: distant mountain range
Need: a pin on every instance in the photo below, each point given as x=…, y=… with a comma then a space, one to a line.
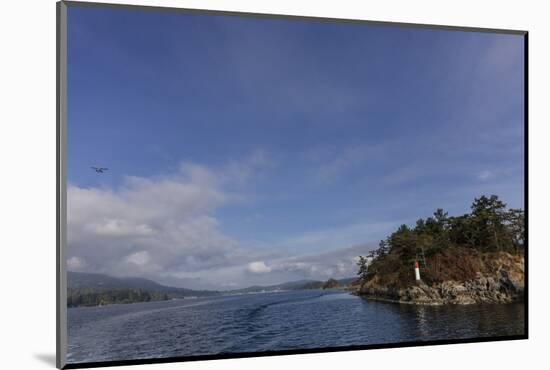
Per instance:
x=85, y=289
x=84, y=280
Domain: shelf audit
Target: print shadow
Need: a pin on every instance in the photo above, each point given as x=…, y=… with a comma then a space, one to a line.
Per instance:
x=47, y=358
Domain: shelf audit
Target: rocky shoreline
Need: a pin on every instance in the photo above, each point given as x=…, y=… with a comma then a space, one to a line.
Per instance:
x=504, y=286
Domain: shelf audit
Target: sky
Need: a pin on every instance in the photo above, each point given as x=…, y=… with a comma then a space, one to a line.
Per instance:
x=246, y=151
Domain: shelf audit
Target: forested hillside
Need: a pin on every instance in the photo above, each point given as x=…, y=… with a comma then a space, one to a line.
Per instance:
x=88, y=289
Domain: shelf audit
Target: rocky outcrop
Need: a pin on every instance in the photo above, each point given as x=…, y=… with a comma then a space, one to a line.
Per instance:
x=502, y=285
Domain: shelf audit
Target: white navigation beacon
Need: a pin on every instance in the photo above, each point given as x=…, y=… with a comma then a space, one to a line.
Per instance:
x=416, y=271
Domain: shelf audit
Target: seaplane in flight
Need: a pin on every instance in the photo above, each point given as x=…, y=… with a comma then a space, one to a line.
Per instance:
x=99, y=169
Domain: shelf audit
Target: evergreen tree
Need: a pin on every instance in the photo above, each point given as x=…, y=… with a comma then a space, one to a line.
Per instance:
x=363, y=267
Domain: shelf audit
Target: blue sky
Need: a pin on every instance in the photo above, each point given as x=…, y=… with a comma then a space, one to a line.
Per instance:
x=286, y=143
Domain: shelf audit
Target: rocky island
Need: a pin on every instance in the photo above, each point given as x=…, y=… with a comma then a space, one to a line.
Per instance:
x=332, y=284
x=474, y=258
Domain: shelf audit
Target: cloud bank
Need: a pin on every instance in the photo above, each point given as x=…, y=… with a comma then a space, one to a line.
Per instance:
x=165, y=228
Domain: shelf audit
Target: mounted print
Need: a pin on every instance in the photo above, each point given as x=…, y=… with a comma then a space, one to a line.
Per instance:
x=235, y=185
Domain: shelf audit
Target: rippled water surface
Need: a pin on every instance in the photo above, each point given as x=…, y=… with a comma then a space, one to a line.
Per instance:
x=271, y=322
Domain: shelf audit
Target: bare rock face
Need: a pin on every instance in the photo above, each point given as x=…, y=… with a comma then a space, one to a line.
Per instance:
x=504, y=285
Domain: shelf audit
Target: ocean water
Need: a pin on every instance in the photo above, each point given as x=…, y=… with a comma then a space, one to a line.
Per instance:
x=271, y=322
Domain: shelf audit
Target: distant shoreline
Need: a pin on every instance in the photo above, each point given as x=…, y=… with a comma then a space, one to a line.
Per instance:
x=346, y=289
x=92, y=290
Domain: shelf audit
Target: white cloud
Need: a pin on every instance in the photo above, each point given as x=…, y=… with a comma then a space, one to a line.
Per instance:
x=339, y=263
x=75, y=263
x=258, y=267
x=117, y=227
x=240, y=172
x=337, y=237
x=138, y=258
x=165, y=228
x=157, y=226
